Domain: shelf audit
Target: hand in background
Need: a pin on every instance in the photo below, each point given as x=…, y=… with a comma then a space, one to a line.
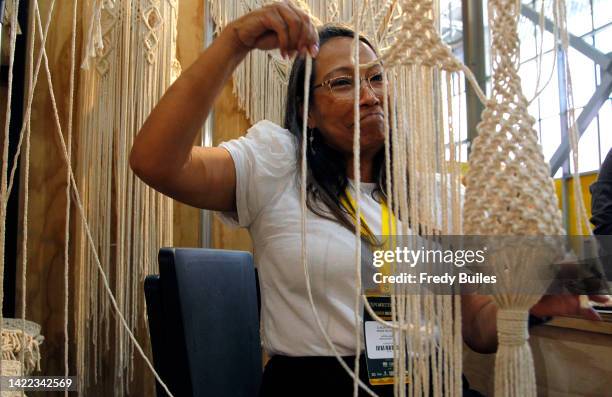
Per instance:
x=568, y=305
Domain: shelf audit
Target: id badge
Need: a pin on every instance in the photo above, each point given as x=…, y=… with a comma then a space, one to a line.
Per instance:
x=379, y=342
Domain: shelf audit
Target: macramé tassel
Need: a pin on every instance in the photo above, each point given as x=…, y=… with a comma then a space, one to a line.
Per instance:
x=514, y=361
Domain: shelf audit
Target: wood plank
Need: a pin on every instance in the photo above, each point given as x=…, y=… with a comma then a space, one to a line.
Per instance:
x=47, y=181
x=229, y=122
x=47, y=198
x=190, y=40
x=568, y=362
x=603, y=327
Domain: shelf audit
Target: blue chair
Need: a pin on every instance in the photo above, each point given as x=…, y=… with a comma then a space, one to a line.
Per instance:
x=203, y=315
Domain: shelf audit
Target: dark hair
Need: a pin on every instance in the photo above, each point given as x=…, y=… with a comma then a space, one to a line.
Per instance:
x=326, y=176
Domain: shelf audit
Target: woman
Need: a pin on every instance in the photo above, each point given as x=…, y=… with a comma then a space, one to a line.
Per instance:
x=252, y=182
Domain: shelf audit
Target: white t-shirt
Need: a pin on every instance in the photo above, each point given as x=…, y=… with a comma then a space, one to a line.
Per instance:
x=268, y=205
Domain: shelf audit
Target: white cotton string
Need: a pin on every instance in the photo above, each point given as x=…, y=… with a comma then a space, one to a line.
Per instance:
x=94, y=35
x=582, y=220
x=69, y=167
x=357, y=182
x=512, y=333
x=443, y=124
x=457, y=229
x=84, y=220
x=304, y=164
x=538, y=89
x=380, y=20
x=97, y=261
x=419, y=113
x=507, y=170
x=391, y=324
x=28, y=108
x=389, y=193
x=442, y=151
x=393, y=231
x=540, y=48
x=24, y=242
x=398, y=110
x=131, y=39
x=4, y=193
x=454, y=163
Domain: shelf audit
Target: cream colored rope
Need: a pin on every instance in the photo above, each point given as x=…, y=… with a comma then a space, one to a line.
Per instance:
x=131, y=59
x=406, y=310
x=68, y=197
x=304, y=251
x=28, y=108
x=357, y=182
x=33, y=80
x=538, y=90
x=583, y=226
x=4, y=192
x=510, y=193
x=85, y=223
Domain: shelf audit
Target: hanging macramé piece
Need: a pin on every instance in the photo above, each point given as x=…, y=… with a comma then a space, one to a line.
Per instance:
x=267, y=71
x=18, y=339
x=11, y=368
x=510, y=193
x=420, y=62
x=130, y=60
x=5, y=185
x=427, y=326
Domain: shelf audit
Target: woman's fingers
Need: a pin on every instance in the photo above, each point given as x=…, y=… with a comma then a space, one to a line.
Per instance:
x=314, y=38
x=565, y=305
x=303, y=24
x=308, y=38
x=589, y=314
x=294, y=27
x=311, y=37
x=279, y=25
x=274, y=21
x=601, y=299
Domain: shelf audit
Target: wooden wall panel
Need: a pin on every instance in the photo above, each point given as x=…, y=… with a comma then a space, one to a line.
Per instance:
x=47, y=197
x=568, y=363
x=47, y=181
x=190, y=42
x=229, y=122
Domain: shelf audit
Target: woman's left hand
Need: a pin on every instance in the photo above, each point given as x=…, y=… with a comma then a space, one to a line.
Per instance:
x=567, y=305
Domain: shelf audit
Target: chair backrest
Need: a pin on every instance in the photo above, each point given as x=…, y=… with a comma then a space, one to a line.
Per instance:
x=204, y=322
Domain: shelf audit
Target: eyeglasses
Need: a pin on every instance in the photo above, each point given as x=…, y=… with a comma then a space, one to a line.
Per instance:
x=343, y=87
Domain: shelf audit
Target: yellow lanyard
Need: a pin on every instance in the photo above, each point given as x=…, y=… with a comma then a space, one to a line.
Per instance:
x=388, y=222
x=381, y=372
x=388, y=230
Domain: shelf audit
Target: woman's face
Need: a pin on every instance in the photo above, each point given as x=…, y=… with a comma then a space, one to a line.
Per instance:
x=332, y=114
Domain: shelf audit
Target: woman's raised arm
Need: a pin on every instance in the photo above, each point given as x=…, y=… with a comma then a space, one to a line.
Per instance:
x=163, y=154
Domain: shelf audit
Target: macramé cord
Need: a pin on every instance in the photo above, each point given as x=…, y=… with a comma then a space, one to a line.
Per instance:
x=357, y=182
x=68, y=197
x=420, y=134
x=33, y=80
x=88, y=232
x=421, y=382
x=510, y=193
x=4, y=194
x=422, y=61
